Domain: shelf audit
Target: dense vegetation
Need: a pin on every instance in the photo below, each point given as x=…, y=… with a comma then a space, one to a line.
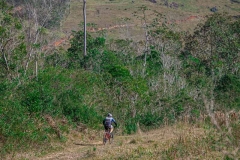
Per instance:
x=144, y=84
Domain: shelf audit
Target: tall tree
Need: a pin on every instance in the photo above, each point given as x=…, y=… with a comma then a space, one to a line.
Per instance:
x=85, y=27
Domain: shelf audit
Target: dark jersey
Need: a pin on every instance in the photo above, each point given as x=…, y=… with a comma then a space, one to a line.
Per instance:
x=107, y=122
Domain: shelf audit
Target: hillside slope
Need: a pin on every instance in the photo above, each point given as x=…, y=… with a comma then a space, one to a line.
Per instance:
x=184, y=14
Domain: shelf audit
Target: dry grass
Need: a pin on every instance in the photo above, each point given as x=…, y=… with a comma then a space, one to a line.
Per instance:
x=181, y=141
x=107, y=13
x=172, y=142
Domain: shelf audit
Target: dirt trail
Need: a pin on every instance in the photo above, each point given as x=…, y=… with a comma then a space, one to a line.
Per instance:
x=63, y=40
x=123, y=146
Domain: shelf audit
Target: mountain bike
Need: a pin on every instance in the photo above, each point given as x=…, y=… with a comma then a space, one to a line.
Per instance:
x=107, y=136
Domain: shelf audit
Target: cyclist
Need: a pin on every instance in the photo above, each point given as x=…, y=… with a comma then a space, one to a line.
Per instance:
x=107, y=123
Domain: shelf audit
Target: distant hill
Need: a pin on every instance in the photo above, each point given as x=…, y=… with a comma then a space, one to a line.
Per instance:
x=181, y=15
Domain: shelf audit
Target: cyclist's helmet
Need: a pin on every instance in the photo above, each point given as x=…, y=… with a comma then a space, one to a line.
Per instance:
x=109, y=115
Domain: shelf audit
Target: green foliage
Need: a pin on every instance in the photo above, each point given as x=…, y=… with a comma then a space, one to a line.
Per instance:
x=181, y=102
x=151, y=119
x=139, y=86
x=130, y=125
x=69, y=100
x=95, y=48
x=113, y=78
x=228, y=91
x=38, y=98
x=57, y=59
x=211, y=59
x=154, y=63
x=221, y=34
x=13, y=47
x=119, y=72
x=109, y=60
x=228, y=158
x=18, y=129
x=83, y=114
x=54, y=93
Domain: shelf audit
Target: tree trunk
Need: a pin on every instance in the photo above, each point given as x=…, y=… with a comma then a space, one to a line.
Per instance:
x=85, y=27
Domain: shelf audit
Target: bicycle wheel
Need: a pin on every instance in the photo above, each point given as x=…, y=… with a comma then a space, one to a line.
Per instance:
x=104, y=140
x=109, y=135
x=106, y=137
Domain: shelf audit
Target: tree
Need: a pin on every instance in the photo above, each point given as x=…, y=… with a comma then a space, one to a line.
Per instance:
x=211, y=61
x=39, y=16
x=95, y=49
x=85, y=28
x=144, y=14
x=12, y=45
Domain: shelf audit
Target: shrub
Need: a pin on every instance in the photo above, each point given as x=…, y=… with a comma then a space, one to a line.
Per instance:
x=151, y=120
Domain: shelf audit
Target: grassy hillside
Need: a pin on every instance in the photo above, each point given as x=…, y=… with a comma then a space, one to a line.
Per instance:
x=52, y=97
x=185, y=14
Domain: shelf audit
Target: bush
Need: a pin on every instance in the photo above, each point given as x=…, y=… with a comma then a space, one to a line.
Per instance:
x=130, y=125
x=151, y=120
x=18, y=129
x=228, y=91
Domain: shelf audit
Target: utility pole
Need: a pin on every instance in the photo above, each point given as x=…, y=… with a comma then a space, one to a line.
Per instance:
x=85, y=28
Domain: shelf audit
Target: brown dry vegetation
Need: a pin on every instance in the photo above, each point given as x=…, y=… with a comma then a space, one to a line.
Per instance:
x=110, y=15
x=107, y=13
x=180, y=141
